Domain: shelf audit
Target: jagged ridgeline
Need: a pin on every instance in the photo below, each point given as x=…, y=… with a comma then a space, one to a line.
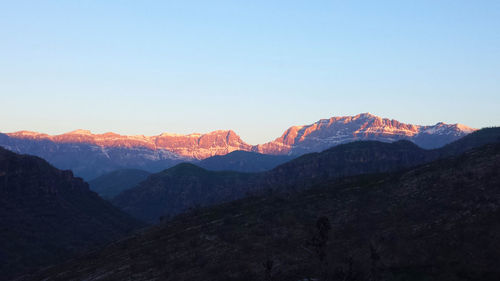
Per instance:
x=437, y=221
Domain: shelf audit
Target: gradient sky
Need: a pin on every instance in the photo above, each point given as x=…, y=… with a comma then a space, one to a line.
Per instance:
x=257, y=67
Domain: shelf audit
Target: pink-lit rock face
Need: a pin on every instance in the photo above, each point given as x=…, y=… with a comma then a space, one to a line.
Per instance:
x=295, y=140
x=336, y=130
x=197, y=146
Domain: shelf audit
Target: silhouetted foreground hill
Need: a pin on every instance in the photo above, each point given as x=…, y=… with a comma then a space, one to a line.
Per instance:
x=438, y=221
x=111, y=184
x=243, y=161
x=174, y=190
x=46, y=215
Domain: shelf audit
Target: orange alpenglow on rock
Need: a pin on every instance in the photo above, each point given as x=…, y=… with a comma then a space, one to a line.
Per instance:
x=295, y=140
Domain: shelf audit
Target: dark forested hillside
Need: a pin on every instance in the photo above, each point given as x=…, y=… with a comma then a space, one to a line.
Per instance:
x=47, y=215
x=438, y=221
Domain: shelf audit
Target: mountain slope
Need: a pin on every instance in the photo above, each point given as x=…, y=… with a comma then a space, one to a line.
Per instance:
x=111, y=184
x=90, y=155
x=475, y=139
x=192, y=146
x=243, y=161
x=48, y=215
x=337, y=130
x=184, y=186
x=360, y=157
x=90, y=161
x=438, y=221
x=180, y=188
x=170, y=192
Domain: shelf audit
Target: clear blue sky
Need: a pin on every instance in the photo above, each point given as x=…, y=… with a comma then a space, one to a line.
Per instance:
x=257, y=67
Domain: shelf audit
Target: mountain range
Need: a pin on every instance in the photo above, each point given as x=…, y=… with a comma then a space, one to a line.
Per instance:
x=186, y=186
x=437, y=221
x=90, y=155
x=423, y=213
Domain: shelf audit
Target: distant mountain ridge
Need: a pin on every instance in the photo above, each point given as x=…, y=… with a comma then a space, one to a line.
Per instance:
x=109, y=151
x=326, y=133
x=194, y=146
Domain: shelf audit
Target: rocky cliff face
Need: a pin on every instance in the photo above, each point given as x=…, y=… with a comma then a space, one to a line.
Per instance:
x=90, y=155
x=196, y=146
x=337, y=130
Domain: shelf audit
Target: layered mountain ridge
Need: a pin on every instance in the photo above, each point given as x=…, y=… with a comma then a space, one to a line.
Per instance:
x=185, y=186
x=111, y=151
x=437, y=221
